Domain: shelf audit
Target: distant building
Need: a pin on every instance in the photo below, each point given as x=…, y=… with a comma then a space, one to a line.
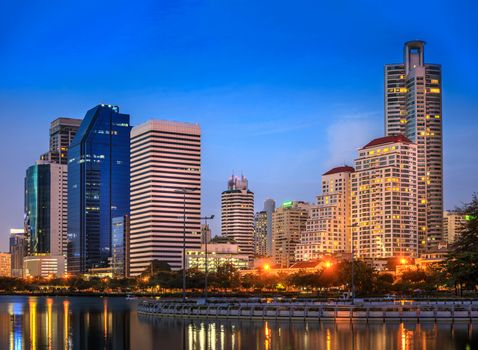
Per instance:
x=453, y=224
x=413, y=107
x=269, y=207
x=165, y=192
x=205, y=233
x=44, y=266
x=18, y=250
x=221, y=251
x=46, y=204
x=62, y=132
x=384, y=199
x=328, y=225
x=260, y=233
x=288, y=221
x=5, y=264
x=98, y=186
x=237, y=214
x=120, y=246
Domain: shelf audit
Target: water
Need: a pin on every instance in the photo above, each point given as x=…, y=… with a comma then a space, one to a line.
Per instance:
x=112, y=323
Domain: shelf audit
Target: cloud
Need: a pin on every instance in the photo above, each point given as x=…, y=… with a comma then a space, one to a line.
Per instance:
x=349, y=133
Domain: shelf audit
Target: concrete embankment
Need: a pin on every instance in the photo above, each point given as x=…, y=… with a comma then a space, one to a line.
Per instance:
x=381, y=311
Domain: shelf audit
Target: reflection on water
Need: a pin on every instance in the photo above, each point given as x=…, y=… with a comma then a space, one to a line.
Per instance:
x=112, y=323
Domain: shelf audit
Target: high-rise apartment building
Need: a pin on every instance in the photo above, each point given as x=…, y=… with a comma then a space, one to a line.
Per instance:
x=98, y=186
x=453, y=224
x=328, y=225
x=5, y=265
x=384, y=200
x=237, y=214
x=269, y=207
x=62, y=132
x=260, y=233
x=18, y=250
x=288, y=221
x=46, y=204
x=413, y=107
x=165, y=193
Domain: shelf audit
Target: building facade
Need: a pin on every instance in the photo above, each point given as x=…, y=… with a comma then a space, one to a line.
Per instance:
x=237, y=214
x=46, y=204
x=269, y=207
x=328, y=225
x=5, y=265
x=18, y=250
x=120, y=246
x=413, y=107
x=62, y=132
x=288, y=221
x=98, y=186
x=453, y=224
x=165, y=193
x=260, y=233
x=44, y=266
x=384, y=199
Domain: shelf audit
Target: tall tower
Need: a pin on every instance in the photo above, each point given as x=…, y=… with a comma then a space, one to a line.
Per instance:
x=413, y=107
x=237, y=214
x=269, y=207
x=62, y=132
x=383, y=199
x=165, y=193
x=98, y=186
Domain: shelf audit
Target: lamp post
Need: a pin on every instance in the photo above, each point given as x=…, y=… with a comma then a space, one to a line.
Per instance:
x=185, y=190
x=206, y=218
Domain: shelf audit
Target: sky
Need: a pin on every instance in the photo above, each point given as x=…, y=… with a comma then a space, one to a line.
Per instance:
x=283, y=90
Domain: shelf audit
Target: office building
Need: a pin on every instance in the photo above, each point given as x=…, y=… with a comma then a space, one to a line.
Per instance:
x=221, y=251
x=18, y=250
x=288, y=221
x=44, y=266
x=120, y=247
x=98, y=186
x=62, y=132
x=453, y=224
x=237, y=214
x=269, y=207
x=413, y=107
x=205, y=233
x=165, y=193
x=260, y=233
x=328, y=225
x=46, y=204
x=5, y=265
x=384, y=199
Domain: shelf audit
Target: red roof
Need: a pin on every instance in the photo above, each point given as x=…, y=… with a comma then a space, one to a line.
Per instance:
x=305, y=264
x=387, y=139
x=340, y=169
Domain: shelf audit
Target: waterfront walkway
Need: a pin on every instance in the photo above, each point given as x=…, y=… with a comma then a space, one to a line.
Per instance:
x=463, y=311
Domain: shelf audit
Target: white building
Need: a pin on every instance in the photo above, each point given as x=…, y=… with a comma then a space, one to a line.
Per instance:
x=237, y=214
x=165, y=183
x=384, y=199
x=453, y=223
x=44, y=266
x=328, y=225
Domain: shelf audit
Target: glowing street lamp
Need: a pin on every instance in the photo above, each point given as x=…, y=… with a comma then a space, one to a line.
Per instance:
x=403, y=261
x=328, y=264
x=266, y=267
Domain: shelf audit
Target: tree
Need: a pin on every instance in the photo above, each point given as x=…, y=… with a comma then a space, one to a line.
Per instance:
x=460, y=267
x=363, y=276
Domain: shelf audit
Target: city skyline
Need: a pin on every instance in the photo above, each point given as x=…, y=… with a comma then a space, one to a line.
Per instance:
x=292, y=115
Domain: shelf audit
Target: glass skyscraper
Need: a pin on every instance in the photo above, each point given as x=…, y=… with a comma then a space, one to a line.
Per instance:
x=98, y=186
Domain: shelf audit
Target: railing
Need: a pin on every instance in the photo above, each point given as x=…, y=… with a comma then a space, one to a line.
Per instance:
x=413, y=310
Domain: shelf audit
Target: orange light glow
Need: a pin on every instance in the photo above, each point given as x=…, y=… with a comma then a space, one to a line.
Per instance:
x=267, y=267
x=403, y=261
x=328, y=264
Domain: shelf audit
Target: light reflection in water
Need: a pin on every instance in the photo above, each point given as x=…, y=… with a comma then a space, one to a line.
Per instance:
x=66, y=329
x=33, y=323
x=49, y=303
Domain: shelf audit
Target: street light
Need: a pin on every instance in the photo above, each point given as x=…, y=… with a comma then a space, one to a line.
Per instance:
x=184, y=190
x=206, y=218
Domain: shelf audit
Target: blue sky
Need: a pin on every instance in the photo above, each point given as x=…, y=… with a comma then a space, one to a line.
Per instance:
x=283, y=90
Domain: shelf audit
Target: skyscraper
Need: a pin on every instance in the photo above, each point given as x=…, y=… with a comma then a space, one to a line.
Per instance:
x=237, y=214
x=413, y=107
x=288, y=221
x=269, y=207
x=384, y=201
x=98, y=186
x=260, y=233
x=165, y=192
x=62, y=132
x=328, y=225
x=18, y=250
x=46, y=208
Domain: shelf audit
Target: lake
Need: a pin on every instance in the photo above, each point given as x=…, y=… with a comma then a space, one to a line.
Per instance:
x=113, y=323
